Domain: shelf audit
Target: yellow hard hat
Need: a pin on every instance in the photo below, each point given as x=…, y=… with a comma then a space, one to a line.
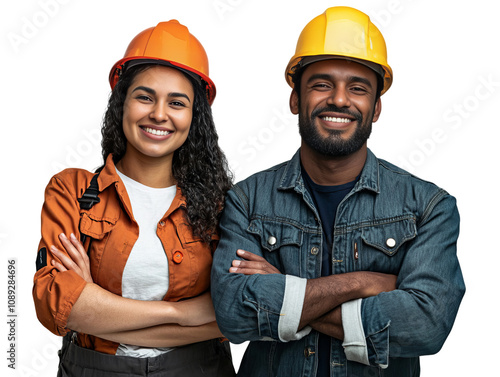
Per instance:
x=342, y=32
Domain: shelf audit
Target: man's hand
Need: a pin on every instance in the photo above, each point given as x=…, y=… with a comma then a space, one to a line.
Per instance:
x=252, y=264
x=330, y=324
x=323, y=295
x=326, y=293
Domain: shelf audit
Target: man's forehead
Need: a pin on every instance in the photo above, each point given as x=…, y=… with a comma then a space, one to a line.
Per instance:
x=337, y=68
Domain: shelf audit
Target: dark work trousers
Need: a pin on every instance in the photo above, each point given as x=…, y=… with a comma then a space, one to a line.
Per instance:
x=211, y=358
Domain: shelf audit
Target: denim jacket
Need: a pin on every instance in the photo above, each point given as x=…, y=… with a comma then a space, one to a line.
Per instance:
x=391, y=222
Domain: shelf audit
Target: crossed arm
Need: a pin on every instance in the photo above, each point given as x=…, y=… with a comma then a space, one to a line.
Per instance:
x=324, y=296
x=144, y=323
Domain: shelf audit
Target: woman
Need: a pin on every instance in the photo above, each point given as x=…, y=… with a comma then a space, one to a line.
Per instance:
x=139, y=303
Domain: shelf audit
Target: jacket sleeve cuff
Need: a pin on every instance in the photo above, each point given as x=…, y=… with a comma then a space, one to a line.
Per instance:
x=354, y=335
x=291, y=310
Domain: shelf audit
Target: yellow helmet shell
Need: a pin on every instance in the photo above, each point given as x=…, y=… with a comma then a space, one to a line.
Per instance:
x=342, y=32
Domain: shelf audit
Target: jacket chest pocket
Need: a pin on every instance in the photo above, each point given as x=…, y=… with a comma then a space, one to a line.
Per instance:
x=384, y=244
x=190, y=261
x=99, y=230
x=280, y=242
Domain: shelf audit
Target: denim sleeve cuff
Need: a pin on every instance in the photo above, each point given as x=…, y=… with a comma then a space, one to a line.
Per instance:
x=354, y=335
x=291, y=309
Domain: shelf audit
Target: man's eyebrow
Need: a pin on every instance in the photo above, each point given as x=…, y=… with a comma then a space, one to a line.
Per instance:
x=324, y=76
x=362, y=80
x=152, y=91
x=319, y=76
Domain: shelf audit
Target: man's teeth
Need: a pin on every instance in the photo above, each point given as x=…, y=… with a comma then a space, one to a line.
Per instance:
x=156, y=132
x=337, y=120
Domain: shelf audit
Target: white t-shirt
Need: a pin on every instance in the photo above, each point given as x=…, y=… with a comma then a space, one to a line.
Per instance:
x=145, y=276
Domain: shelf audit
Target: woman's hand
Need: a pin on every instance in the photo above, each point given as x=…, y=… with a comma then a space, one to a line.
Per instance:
x=194, y=311
x=76, y=258
x=252, y=264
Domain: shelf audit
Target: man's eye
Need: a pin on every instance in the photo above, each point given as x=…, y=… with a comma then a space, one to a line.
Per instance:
x=321, y=86
x=359, y=89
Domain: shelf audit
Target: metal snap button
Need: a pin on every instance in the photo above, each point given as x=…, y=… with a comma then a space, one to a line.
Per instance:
x=271, y=240
x=391, y=242
x=314, y=250
x=308, y=352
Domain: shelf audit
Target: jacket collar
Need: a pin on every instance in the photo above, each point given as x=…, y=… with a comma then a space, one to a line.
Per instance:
x=108, y=176
x=369, y=179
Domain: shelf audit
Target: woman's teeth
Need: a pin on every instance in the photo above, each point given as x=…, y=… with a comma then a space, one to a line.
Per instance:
x=156, y=132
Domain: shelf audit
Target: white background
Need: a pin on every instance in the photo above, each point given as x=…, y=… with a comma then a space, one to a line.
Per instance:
x=439, y=121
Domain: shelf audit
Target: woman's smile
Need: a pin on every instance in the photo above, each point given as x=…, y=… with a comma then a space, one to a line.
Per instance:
x=157, y=113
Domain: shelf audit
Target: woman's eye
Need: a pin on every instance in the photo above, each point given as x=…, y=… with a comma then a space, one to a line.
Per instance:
x=144, y=98
x=177, y=104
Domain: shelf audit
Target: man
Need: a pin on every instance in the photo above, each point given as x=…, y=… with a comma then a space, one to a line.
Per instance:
x=336, y=263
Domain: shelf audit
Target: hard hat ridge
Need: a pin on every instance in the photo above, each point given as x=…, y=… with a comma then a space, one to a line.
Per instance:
x=342, y=33
x=168, y=43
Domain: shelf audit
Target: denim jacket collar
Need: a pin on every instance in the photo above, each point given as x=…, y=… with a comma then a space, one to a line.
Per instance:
x=292, y=177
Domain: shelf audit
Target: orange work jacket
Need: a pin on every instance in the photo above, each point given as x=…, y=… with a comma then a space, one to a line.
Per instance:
x=111, y=225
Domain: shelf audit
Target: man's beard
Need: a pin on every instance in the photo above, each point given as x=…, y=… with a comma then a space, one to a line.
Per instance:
x=333, y=145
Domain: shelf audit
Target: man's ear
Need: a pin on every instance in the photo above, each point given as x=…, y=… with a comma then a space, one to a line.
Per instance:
x=377, y=110
x=294, y=102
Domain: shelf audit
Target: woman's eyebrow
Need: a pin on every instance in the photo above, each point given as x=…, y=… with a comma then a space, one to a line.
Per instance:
x=178, y=94
x=145, y=88
x=153, y=92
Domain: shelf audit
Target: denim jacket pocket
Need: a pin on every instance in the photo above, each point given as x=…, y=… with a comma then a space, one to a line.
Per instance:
x=282, y=240
x=389, y=235
x=275, y=233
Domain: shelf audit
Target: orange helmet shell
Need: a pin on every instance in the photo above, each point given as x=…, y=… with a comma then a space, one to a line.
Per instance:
x=169, y=42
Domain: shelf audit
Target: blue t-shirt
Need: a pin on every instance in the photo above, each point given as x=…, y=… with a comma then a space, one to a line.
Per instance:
x=326, y=199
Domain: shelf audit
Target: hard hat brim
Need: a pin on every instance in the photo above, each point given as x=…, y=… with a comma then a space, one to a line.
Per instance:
x=126, y=63
x=303, y=61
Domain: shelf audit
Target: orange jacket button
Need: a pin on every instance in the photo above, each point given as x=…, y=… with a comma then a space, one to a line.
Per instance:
x=178, y=257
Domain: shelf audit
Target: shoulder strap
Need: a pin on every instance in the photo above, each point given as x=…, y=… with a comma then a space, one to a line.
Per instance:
x=91, y=194
x=88, y=199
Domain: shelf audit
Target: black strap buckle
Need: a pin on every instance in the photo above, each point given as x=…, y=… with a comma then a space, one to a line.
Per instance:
x=91, y=195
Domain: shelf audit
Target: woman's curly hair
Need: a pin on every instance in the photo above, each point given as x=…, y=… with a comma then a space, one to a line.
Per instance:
x=199, y=165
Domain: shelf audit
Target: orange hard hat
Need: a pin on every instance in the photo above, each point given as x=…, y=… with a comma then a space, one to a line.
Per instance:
x=346, y=33
x=169, y=43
